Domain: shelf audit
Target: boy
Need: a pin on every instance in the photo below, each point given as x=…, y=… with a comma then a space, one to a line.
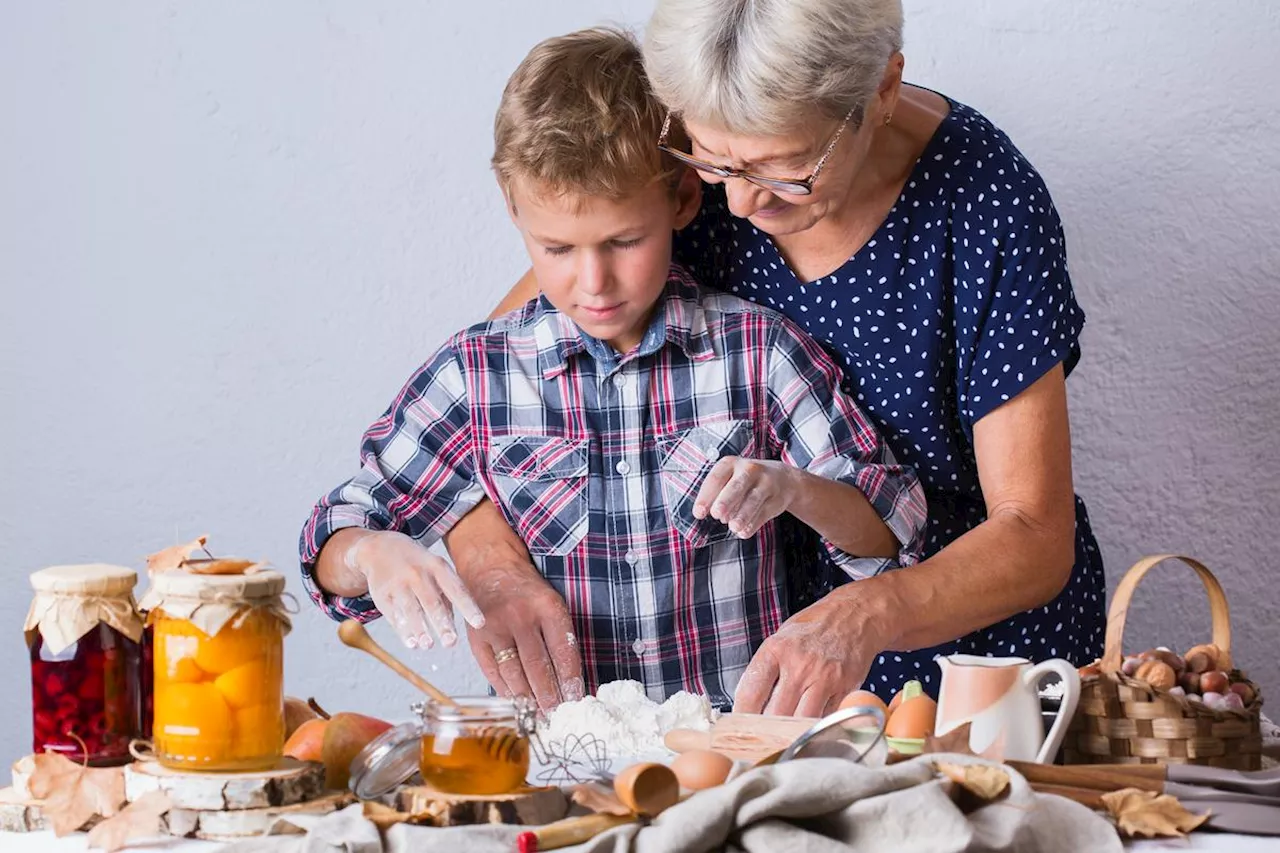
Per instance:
x=640, y=434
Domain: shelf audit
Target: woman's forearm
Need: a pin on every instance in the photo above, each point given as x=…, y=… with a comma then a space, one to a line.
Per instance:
x=842, y=515
x=525, y=289
x=1004, y=566
x=483, y=539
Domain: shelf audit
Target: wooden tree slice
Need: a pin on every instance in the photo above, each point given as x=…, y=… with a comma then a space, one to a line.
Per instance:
x=532, y=806
x=291, y=782
x=19, y=813
x=219, y=825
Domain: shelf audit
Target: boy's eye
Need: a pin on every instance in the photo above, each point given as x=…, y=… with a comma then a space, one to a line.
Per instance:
x=557, y=250
x=627, y=244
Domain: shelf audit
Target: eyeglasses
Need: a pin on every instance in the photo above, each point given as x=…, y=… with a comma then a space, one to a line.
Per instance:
x=778, y=185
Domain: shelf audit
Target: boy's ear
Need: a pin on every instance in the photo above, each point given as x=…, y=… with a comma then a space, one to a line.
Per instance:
x=688, y=198
x=508, y=202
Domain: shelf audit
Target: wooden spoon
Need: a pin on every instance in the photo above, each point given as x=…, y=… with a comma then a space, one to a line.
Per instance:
x=354, y=634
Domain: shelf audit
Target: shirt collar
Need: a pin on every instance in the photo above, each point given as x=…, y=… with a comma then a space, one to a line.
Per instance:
x=680, y=320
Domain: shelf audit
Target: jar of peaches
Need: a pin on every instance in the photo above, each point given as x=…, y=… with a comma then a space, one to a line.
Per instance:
x=84, y=633
x=218, y=669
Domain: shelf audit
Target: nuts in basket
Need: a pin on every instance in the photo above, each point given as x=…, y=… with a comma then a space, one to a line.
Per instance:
x=1156, y=673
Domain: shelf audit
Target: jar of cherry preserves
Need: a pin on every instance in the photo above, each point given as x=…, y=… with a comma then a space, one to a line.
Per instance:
x=85, y=637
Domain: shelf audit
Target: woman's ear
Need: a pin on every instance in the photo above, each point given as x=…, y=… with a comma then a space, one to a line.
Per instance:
x=688, y=197
x=890, y=87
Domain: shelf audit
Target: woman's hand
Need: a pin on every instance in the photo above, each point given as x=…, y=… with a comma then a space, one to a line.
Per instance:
x=411, y=587
x=815, y=659
x=527, y=645
x=747, y=493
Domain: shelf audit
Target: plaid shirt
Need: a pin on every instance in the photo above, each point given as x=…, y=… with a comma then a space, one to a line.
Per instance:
x=595, y=460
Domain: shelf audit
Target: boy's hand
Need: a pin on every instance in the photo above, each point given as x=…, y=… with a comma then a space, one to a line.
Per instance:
x=412, y=587
x=746, y=493
x=527, y=646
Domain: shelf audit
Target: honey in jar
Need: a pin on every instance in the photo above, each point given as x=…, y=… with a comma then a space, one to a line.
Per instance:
x=218, y=669
x=84, y=633
x=474, y=748
x=478, y=747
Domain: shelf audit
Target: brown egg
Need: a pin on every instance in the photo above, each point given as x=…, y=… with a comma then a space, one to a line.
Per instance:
x=699, y=769
x=865, y=698
x=913, y=719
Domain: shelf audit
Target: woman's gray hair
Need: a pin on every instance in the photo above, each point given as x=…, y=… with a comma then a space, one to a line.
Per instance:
x=761, y=66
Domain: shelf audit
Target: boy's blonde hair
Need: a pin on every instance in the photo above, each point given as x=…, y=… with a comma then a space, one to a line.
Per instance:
x=578, y=116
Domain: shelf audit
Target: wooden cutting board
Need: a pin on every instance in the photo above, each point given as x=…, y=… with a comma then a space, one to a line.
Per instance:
x=748, y=737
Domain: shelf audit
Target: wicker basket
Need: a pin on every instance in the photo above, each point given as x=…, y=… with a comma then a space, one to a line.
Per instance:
x=1121, y=720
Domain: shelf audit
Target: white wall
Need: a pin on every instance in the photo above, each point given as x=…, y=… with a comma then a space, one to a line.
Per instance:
x=229, y=231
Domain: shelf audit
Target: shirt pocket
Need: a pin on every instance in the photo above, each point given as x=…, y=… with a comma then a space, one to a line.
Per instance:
x=542, y=482
x=686, y=458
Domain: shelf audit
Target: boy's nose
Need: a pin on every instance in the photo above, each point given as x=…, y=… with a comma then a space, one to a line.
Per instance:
x=593, y=273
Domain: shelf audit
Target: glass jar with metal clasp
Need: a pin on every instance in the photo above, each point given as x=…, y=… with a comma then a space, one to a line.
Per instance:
x=479, y=746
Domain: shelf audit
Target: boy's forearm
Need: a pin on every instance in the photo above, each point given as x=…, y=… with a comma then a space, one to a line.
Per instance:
x=331, y=570
x=842, y=515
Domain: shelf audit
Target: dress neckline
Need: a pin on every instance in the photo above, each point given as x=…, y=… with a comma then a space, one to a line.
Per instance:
x=935, y=140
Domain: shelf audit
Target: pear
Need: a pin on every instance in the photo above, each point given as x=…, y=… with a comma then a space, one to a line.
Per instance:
x=345, y=734
x=298, y=711
x=306, y=741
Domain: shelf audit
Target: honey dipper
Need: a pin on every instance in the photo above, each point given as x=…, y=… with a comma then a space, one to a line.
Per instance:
x=499, y=741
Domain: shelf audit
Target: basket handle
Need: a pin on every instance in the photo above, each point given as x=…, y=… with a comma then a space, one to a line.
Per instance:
x=1113, y=653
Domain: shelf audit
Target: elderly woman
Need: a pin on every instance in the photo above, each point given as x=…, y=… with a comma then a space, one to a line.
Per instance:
x=908, y=235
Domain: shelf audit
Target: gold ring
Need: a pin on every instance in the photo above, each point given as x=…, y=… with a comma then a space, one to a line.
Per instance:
x=504, y=655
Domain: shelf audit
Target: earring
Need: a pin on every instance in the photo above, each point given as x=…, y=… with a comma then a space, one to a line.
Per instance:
x=888, y=118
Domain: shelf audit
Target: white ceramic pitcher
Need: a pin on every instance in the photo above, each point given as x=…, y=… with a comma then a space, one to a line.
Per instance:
x=999, y=698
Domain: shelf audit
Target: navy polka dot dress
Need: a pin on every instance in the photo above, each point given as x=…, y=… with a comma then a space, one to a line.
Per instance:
x=958, y=302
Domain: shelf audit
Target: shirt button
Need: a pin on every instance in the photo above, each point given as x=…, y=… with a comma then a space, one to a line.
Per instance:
x=623, y=467
x=631, y=557
x=638, y=647
x=619, y=380
x=712, y=452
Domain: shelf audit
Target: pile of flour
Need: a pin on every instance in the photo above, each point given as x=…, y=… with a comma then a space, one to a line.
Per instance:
x=628, y=721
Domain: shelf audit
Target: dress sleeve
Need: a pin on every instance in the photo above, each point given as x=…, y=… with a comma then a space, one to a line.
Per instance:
x=416, y=476
x=1015, y=311
x=698, y=247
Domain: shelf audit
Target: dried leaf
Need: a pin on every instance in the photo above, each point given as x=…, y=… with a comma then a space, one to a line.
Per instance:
x=598, y=799
x=223, y=566
x=1149, y=814
x=955, y=742
x=385, y=817
x=73, y=793
x=985, y=781
x=139, y=819
x=173, y=558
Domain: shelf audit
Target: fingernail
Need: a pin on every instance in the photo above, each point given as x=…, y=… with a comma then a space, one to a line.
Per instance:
x=699, y=510
x=477, y=622
x=448, y=638
x=411, y=642
x=426, y=642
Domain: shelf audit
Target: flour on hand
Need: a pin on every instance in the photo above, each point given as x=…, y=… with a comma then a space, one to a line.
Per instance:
x=625, y=719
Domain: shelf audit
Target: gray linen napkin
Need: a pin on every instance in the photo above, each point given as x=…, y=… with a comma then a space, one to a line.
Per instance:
x=809, y=806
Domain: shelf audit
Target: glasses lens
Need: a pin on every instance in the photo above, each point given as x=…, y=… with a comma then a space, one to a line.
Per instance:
x=784, y=187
